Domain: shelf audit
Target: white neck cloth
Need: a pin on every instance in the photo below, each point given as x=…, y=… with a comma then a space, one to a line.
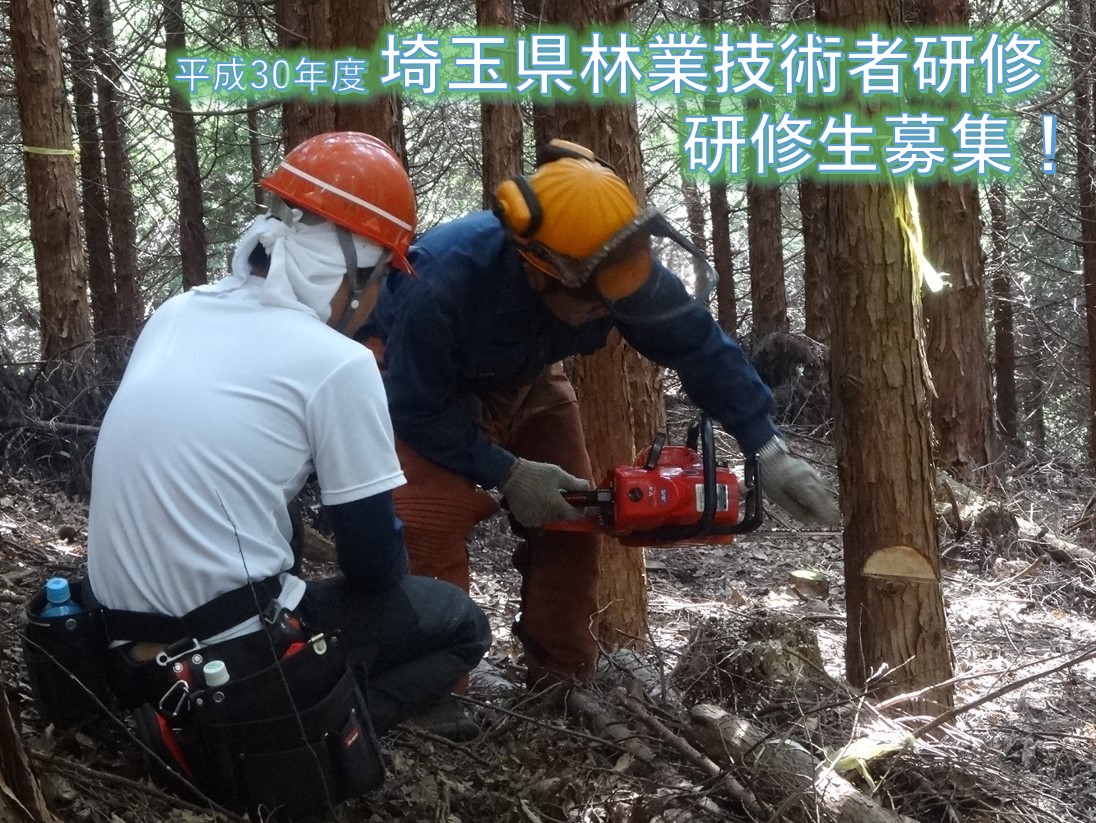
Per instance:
x=306, y=264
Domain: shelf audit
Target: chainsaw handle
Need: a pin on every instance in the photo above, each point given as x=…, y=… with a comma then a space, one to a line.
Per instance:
x=702, y=431
x=754, y=512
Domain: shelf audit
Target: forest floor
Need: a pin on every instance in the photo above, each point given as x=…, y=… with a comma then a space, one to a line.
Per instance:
x=1028, y=754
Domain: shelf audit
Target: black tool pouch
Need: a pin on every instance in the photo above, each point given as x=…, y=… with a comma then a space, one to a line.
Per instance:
x=66, y=661
x=292, y=740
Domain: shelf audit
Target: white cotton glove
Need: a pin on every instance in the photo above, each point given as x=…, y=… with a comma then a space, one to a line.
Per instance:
x=794, y=485
x=532, y=491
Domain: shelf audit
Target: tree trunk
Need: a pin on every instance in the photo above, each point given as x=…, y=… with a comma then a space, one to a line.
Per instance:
x=1004, y=336
x=254, y=150
x=958, y=352
x=723, y=258
x=895, y=605
x=51, y=178
x=614, y=384
x=104, y=300
x=818, y=302
x=722, y=252
x=188, y=174
x=500, y=121
x=120, y=208
x=255, y=154
x=304, y=24
x=768, y=294
x=356, y=25
x=1081, y=48
x=694, y=210
x=1035, y=390
x=892, y=558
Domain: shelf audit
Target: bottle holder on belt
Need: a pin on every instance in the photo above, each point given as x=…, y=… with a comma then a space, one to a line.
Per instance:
x=66, y=661
x=293, y=739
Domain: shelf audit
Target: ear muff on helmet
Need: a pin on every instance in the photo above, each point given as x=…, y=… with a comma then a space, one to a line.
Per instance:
x=515, y=203
x=517, y=208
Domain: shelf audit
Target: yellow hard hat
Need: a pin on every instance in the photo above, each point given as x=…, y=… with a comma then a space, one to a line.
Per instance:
x=569, y=210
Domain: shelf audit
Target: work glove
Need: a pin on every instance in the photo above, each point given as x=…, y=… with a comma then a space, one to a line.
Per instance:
x=532, y=490
x=794, y=485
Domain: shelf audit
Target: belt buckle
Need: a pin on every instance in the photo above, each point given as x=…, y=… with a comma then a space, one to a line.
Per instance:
x=183, y=690
x=176, y=651
x=274, y=613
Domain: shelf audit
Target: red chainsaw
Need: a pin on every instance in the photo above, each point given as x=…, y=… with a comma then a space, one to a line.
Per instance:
x=672, y=495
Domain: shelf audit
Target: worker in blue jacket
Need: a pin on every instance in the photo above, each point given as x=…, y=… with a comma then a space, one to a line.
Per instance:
x=471, y=350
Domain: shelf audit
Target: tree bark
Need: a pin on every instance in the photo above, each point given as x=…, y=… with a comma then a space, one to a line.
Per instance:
x=723, y=258
x=104, y=300
x=1081, y=56
x=188, y=174
x=895, y=614
x=304, y=24
x=254, y=150
x=958, y=351
x=120, y=207
x=722, y=251
x=694, y=210
x=356, y=25
x=615, y=384
x=50, y=165
x=500, y=121
x=768, y=293
x=1004, y=336
x=1035, y=391
x=896, y=630
x=818, y=302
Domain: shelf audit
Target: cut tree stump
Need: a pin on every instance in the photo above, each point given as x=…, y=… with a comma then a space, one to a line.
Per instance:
x=784, y=773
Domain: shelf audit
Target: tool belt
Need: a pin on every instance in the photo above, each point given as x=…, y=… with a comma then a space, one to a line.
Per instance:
x=67, y=660
x=288, y=740
x=289, y=734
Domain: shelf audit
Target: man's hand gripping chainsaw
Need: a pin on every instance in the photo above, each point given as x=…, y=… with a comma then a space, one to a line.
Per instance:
x=672, y=495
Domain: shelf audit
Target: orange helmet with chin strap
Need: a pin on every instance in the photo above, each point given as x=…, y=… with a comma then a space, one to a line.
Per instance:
x=355, y=181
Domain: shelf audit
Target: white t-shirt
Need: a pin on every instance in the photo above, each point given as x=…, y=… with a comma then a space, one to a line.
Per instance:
x=225, y=408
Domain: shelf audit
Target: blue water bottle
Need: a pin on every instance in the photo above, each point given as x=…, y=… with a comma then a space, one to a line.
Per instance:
x=59, y=602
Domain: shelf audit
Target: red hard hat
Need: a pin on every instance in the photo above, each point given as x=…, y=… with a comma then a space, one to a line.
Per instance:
x=355, y=181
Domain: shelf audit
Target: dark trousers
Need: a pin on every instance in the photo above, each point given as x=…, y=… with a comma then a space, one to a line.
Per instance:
x=408, y=645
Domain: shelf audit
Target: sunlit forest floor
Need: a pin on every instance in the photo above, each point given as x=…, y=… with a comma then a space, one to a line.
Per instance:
x=722, y=623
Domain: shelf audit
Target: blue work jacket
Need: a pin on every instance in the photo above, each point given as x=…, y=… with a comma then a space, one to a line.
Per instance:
x=470, y=322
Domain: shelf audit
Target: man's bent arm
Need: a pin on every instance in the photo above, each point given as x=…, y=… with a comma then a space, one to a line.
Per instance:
x=669, y=327
x=369, y=541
